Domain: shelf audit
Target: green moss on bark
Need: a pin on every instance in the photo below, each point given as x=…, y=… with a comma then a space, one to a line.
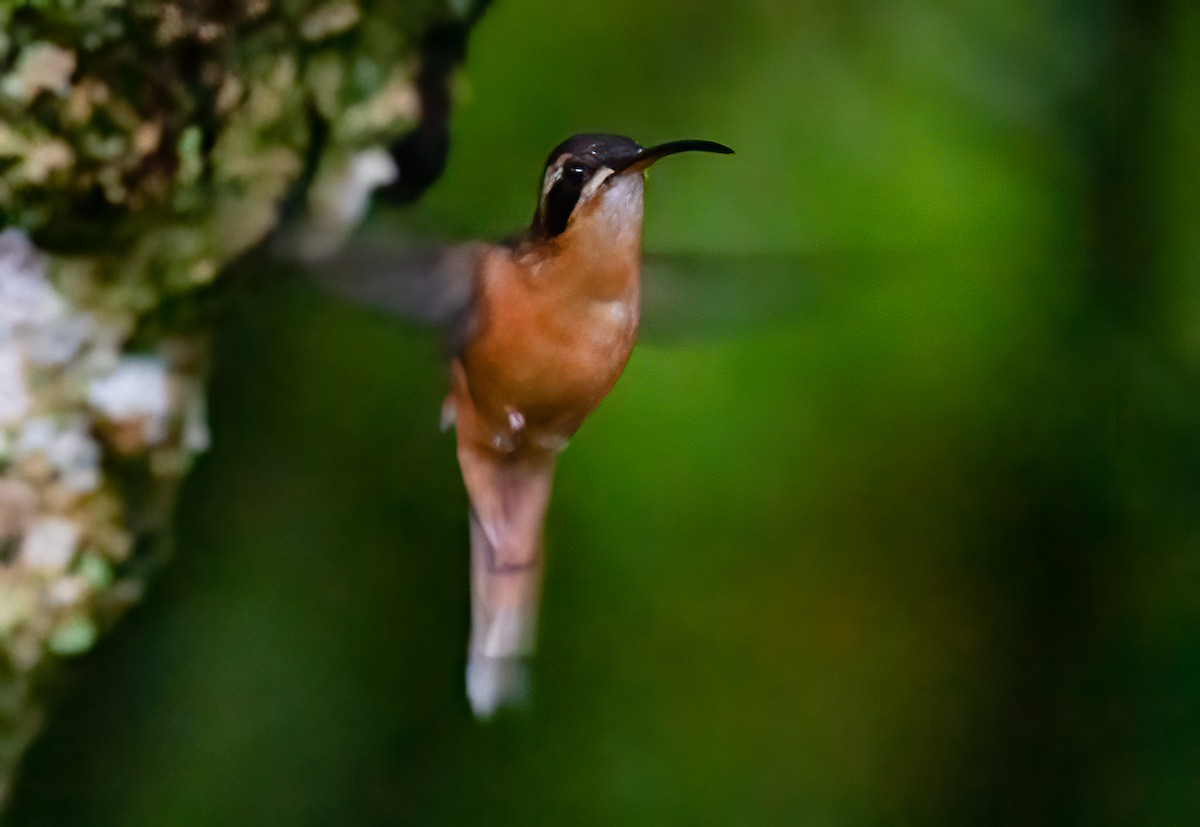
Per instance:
x=157, y=140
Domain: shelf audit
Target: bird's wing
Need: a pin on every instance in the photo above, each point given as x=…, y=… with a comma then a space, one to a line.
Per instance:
x=429, y=285
x=702, y=296
x=685, y=296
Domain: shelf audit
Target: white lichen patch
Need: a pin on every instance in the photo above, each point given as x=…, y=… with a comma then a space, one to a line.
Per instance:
x=27, y=300
x=339, y=199
x=58, y=341
x=44, y=158
x=35, y=325
x=27, y=304
x=67, y=592
x=14, y=391
x=396, y=101
x=135, y=393
x=49, y=545
x=42, y=67
x=329, y=19
x=68, y=393
x=66, y=450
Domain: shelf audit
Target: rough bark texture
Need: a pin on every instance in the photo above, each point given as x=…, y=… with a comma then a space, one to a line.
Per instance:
x=144, y=146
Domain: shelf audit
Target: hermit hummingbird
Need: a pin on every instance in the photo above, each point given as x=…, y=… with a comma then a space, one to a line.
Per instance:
x=543, y=325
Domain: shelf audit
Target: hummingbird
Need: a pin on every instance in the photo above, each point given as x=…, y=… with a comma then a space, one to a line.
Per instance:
x=544, y=324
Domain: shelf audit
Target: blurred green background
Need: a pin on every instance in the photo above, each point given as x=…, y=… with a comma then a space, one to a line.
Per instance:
x=919, y=546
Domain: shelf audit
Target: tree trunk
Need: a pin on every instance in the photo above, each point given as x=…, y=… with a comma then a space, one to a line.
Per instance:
x=143, y=147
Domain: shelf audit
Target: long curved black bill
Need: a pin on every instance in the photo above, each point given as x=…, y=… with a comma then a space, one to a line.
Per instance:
x=651, y=154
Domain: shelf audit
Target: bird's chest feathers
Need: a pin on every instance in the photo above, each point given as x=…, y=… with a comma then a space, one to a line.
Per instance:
x=572, y=320
x=557, y=331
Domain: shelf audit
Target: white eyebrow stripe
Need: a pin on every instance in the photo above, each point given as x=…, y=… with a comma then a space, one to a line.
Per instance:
x=552, y=176
x=598, y=178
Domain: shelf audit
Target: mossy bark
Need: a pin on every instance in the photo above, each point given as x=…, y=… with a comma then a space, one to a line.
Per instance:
x=143, y=147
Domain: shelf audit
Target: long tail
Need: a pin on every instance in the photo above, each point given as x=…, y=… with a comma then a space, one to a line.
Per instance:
x=508, y=506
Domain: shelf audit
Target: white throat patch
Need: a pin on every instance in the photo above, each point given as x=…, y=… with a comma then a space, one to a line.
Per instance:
x=620, y=207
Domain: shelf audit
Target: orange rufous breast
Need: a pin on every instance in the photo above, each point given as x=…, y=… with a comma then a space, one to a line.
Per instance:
x=554, y=327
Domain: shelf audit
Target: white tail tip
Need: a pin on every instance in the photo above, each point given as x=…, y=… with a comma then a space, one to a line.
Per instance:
x=495, y=682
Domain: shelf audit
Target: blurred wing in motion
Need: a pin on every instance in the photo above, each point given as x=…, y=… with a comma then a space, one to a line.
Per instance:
x=691, y=296
x=429, y=285
x=699, y=296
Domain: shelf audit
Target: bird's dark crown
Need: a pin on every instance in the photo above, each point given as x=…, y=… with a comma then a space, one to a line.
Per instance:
x=595, y=150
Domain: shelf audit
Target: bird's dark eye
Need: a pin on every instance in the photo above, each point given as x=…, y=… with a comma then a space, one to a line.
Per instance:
x=560, y=201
